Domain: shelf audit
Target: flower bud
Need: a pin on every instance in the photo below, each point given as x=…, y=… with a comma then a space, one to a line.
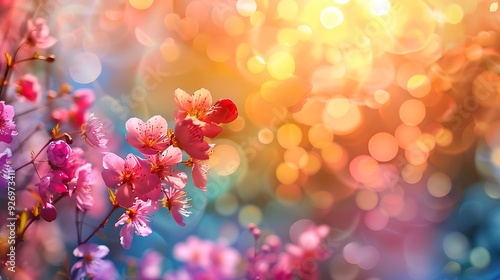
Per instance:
x=58, y=153
x=48, y=212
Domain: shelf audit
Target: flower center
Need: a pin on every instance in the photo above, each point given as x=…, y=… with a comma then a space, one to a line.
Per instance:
x=88, y=258
x=131, y=214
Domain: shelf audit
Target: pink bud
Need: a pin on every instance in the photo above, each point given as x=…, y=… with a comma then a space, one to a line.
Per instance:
x=223, y=111
x=251, y=227
x=84, y=98
x=48, y=212
x=58, y=153
x=256, y=233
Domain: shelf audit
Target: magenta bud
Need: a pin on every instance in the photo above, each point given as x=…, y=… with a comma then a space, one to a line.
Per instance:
x=48, y=212
x=58, y=153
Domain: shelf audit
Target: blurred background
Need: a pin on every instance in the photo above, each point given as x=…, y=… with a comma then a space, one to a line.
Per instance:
x=377, y=118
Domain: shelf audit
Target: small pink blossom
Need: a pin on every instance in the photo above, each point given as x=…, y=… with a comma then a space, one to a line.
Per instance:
x=195, y=252
x=82, y=186
x=92, y=263
x=162, y=165
x=60, y=115
x=92, y=133
x=7, y=125
x=29, y=88
x=131, y=177
x=150, y=266
x=189, y=137
x=199, y=108
x=136, y=219
x=177, y=203
x=38, y=34
x=58, y=153
x=84, y=98
x=150, y=137
x=75, y=161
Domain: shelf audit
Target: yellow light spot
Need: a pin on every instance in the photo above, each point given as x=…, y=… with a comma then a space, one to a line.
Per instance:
x=281, y=65
x=297, y=157
x=288, y=9
x=305, y=32
x=141, y=4
x=411, y=174
x=342, y=122
x=257, y=19
x=341, y=1
x=338, y=107
x=237, y=125
x=480, y=257
x=453, y=13
x=379, y=7
x=495, y=157
x=256, y=64
x=289, y=136
x=443, y=137
x=234, y=26
x=366, y=200
x=249, y=214
x=439, y=184
x=412, y=112
x=313, y=164
x=494, y=7
x=383, y=146
x=381, y=96
x=169, y=50
x=265, y=136
x=225, y=160
x=331, y=17
x=333, y=153
x=286, y=173
x=246, y=8
x=419, y=85
x=320, y=136
x=288, y=37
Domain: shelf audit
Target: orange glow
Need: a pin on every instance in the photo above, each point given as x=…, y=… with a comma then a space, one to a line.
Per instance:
x=383, y=146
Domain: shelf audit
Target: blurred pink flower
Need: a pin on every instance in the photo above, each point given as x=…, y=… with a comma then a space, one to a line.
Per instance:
x=74, y=162
x=189, y=137
x=177, y=203
x=199, y=172
x=92, y=133
x=7, y=125
x=199, y=108
x=195, y=252
x=58, y=153
x=60, y=115
x=225, y=261
x=137, y=220
x=150, y=137
x=150, y=267
x=92, y=262
x=131, y=177
x=84, y=98
x=29, y=88
x=82, y=186
x=162, y=165
x=38, y=34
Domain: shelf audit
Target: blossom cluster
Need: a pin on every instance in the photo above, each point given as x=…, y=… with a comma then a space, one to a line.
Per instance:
x=139, y=184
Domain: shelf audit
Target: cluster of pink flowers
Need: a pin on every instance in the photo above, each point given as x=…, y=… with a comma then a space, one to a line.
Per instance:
x=272, y=260
x=141, y=182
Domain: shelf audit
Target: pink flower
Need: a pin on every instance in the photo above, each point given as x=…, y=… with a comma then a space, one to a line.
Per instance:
x=60, y=115
x=29, y=88
x=58, y=153
x=162, y=165
x=189, y=137
x=177, y=203
x=151, y=265
x=7, y=125
x=58, y=182
x=92, y=133
x=199, y=107
x=137, y=220
x=131, y=177
x=91, y=262
x=38, y=34
x=199, y=172
x=82, y=186
x=75, y=161
x=150, y=137
x=84, y=98
x=195, y=252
